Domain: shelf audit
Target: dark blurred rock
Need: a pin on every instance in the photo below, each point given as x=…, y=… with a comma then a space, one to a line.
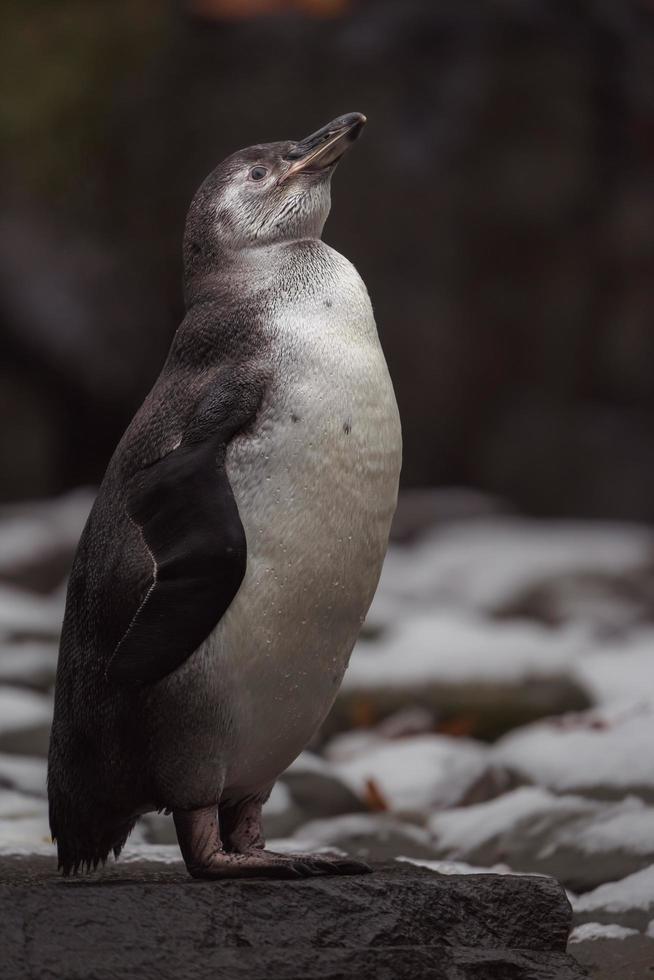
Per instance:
x=316, y=790
x=420, y=510
x=368, y=836
x=629, y=958
x=484, y=710
x=397, y=924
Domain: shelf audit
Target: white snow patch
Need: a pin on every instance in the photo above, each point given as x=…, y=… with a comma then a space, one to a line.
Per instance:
x=416, y=773
x=457, y=867
x=619, y=672
x=595, y=749
x=470, y=827
x=487, y=563
x=636, y=891
x=627, y=825
x=589, y=931
x=453, y=648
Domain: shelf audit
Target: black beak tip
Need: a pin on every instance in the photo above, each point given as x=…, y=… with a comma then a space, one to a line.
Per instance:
x=354, y=121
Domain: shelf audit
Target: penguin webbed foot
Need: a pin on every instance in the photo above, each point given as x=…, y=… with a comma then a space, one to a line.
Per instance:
x=239, y=852
x=268, y=864
x=326, y=864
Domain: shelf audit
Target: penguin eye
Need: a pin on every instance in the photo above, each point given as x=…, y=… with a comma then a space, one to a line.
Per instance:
x=258, y=173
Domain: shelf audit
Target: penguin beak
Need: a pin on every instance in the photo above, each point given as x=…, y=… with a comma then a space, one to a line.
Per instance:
x=324, y=148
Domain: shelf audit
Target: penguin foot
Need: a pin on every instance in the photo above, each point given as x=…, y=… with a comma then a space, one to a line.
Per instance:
x=240, y=853
x=268, y=864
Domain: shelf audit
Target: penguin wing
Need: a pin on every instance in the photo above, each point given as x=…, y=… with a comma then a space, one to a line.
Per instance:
x=185, y=509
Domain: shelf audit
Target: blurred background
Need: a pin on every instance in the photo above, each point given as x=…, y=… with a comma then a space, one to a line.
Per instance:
x=500, y=208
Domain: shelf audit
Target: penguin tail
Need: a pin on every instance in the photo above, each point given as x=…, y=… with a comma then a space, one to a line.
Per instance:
x=85, y=835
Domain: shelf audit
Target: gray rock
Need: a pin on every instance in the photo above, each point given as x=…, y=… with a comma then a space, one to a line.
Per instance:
x=316, y=790
x=421, y=509
x=397, y=924
x=281, y=814
x=463, y=667
x=630, y=957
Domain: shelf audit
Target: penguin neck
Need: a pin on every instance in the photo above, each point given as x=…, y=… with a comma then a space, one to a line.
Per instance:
x=247, y=272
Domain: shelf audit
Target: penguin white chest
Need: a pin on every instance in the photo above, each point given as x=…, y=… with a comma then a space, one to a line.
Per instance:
x=316, y=486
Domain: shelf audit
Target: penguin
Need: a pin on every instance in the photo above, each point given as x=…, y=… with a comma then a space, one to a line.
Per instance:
x=238, y=535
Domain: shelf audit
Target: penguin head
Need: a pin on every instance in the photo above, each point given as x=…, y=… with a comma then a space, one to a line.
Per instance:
x=265, y=194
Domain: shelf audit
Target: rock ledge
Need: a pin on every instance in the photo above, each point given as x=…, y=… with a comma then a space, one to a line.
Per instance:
x=148, y=920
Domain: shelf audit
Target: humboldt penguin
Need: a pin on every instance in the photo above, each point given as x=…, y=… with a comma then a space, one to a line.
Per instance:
x=238, y=535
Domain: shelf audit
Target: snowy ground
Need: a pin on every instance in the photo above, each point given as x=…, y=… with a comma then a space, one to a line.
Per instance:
x=498, y=713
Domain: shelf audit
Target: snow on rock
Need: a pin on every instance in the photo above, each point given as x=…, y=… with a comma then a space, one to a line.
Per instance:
x=488, y=563
x=629, y=901
x=620, y=671
x=590, y=931
x=605, y=753
x=413, y=775
x=373, y=836
x=29, y=664
x=500, y=673
x=23, y=773
x=455, y=648
x=24, y=721
x=579, y=841
x=457, y=867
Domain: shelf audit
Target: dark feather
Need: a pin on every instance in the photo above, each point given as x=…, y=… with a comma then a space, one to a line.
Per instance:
x=185, y=509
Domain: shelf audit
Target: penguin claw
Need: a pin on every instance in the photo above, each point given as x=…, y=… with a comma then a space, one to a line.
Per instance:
x=319, y=864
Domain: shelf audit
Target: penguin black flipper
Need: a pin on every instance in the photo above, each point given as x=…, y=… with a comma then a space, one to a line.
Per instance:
x=185, y=509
